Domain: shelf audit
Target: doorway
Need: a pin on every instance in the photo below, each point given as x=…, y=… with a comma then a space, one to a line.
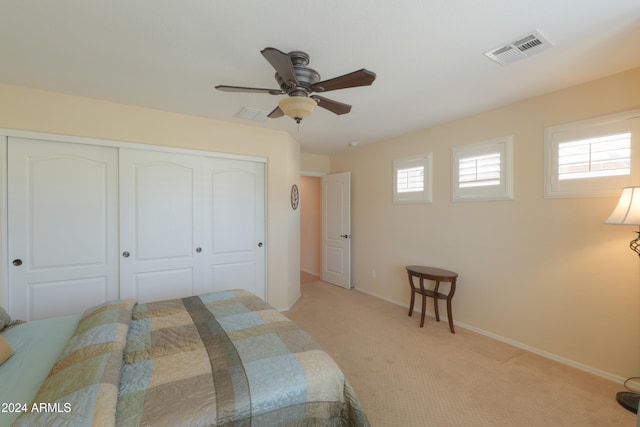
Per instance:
x=310, y=229
x=325, y=226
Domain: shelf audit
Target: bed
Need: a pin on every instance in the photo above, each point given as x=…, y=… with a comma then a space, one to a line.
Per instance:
x=220, y=359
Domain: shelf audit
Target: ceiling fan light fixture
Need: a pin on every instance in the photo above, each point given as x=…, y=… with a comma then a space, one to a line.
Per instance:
x=297, y=107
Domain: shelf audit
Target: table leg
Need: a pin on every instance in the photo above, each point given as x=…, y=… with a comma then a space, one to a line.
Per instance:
x=412, y=301
x=449, y=298
x=424, y=302
x=450, y=315
x=413, y=294
x=435, y=300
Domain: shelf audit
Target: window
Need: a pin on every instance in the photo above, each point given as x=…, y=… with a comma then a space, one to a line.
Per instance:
x=608, y=155
x=479, y=171
x=412, y=179
x=482, y=171
x=592, y=157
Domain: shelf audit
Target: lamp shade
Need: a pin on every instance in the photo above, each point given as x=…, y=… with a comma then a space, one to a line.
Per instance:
x=297, y=107
x=628, y=210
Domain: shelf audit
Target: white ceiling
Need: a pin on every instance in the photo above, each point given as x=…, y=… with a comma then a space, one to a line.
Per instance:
x=428, y=55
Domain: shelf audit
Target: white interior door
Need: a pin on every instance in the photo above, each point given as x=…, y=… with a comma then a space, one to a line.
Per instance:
x=234, y=249
x=336, y=229
x=161, y=225
x=62, y=222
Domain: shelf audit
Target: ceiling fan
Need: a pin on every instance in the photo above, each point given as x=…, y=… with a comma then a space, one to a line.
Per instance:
x=299, y=82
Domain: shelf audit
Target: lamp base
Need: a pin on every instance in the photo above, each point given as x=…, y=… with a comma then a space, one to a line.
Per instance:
x=635, y=244
x=628, y=400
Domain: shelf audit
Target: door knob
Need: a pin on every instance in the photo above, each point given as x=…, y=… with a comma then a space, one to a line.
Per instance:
x=125, y=254
x=260, y=244
x=198, y=250
x=17, y=262
x=346, y=236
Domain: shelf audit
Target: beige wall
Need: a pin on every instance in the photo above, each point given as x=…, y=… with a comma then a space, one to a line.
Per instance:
x=33, y=110
x=547, y=274
x=314, y=164
x=310, y=225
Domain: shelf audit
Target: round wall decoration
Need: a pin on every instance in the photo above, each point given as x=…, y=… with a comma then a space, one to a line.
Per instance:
x=295, y=197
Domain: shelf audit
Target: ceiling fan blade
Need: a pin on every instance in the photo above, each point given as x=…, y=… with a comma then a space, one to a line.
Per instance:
x=331, y=105
x=281, y=62
x=226, y=88
x=357, y=78
x=277, y=112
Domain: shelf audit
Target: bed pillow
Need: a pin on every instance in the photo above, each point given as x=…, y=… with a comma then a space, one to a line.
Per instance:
x=84, y=381
x=5, y=319
x=5, y=350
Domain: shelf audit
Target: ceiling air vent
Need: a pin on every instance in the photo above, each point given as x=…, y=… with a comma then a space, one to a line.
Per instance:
x=248, y=113
x=519, y=49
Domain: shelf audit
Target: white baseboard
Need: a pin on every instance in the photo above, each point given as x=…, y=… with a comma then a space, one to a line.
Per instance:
x=313, y=273
x=517, y=344
x=284, y=309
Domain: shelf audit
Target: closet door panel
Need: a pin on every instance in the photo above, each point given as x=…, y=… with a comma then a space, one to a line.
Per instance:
x=62, y=212
x=56, y=298
x=164, y=211
x=235, y=275
x=235, y=254
x=164, y=284
x=160, y=225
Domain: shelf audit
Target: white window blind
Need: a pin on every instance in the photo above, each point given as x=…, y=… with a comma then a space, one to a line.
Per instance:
x=479, y=171
x=411, y=179
x=594, y=157
x=482, y=171
x=608, y=155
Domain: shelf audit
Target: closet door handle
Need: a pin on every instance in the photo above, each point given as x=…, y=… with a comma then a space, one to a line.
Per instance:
x=17, y=262
x=125, y=254
x=198, y=250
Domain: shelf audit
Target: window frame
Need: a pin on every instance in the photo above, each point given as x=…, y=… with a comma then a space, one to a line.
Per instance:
x=503, y=190
x=598, y=186
x=425, y=161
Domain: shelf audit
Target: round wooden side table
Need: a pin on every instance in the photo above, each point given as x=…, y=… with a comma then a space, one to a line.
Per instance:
x=437, y=275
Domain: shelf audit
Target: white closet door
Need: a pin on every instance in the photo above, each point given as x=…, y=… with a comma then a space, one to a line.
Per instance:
x=235, y=251
x=161, y=225
x=62, y=222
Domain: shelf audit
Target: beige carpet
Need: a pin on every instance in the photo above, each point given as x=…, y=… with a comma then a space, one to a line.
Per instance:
x=408, y=376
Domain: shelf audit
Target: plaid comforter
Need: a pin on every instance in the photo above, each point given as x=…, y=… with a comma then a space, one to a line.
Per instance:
x=219, y=359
